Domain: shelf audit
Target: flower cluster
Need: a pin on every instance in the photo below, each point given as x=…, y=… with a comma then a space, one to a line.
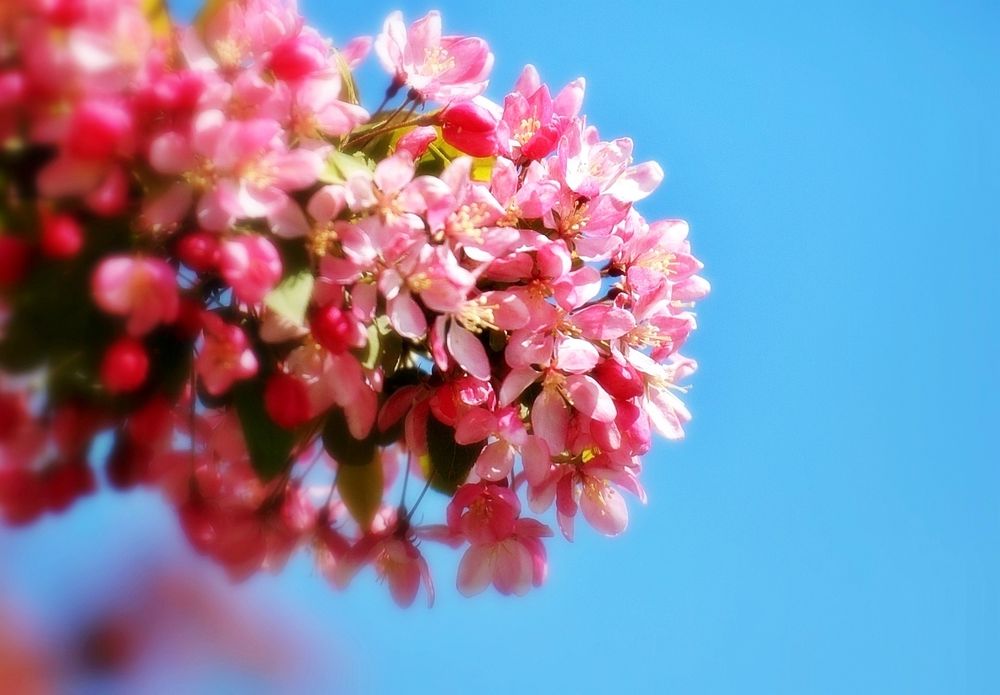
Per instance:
x=223, y=277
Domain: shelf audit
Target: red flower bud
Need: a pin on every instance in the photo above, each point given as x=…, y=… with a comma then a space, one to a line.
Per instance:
x=62, y=236
x=66, y=482
x=297, y=58
x=99, y=130
x=470, y=128
x=125, y=366
x=620, y=380
x=21, y=496
x=199, y=251
x=13, y=261
x=333, y=329
x=286, y=400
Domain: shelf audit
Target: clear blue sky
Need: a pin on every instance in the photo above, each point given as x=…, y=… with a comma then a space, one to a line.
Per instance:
x=832, y=523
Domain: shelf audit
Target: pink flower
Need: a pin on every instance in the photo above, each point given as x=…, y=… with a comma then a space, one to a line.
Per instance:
x=225, y=356
x=391, y=548
x=251, y=266
x=532, y=121
x=144, y=290
x=591, y=167
x=497, y=458
x=437, y=68
x=505, y=550
x=239, y=169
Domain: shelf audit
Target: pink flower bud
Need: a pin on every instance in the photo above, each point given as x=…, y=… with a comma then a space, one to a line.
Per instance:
x=286, y=400
x=125, y=366
x=199, y=251
x=251, y=266
x=620, y=380
x=470, y=128
x=62, y=236
x=298, y=57
x=99, y=130
x=14, y=254
x=333, y=329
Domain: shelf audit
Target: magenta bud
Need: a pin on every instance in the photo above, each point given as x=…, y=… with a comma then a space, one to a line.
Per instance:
x=622, y=381
x=470, y=128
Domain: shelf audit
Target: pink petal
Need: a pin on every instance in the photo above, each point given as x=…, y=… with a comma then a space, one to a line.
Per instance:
x=495, y=462
x=575, y=356
x=550, y=419
x=515, y=384
x=468, y=352
x=590, y=398
x=603, y=507
x=406, y=316
x=475, y=570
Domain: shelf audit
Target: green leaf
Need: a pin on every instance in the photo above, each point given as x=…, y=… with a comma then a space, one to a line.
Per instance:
x=360, y=488
x=340, y=166
x=290, y=299
x=349, y=88
x=269, y=445
x=341, y=444
x=448, y=461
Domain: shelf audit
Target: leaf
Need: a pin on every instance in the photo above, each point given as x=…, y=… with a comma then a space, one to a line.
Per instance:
x=269, y=445
x=359, y=470
x=349, y=88
x=448, y=461
x=482, y=167
x=360, y=488
x=341, y=444
x=340, y=166
x=290, y=299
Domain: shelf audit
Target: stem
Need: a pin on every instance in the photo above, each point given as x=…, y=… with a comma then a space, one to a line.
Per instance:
x=420, y=499
x=406, y=479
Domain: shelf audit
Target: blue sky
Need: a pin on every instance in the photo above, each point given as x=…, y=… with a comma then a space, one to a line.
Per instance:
x=832, y=523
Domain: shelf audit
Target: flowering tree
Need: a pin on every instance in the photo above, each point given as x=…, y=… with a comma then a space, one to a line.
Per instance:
x=294, y=316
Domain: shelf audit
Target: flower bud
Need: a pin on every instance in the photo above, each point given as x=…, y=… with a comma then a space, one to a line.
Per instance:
x=62, y=236
x=333, y=329
x=125, y=366
x=470, y=128
x=66, y=482
x=199, y=251
x=622, y=381
x=99, y=130
x=298, y=57
x=286, y=400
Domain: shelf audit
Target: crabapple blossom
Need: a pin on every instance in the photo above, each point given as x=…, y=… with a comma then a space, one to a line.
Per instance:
x=143, y=290
x=296, y=316
x=436, y=67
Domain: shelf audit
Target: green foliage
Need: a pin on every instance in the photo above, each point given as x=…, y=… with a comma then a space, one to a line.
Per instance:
x=269, y=445
x=290, y=299
x=447, y=461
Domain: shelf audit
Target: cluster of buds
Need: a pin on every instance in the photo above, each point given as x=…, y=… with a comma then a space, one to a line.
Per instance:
x=222, y=277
